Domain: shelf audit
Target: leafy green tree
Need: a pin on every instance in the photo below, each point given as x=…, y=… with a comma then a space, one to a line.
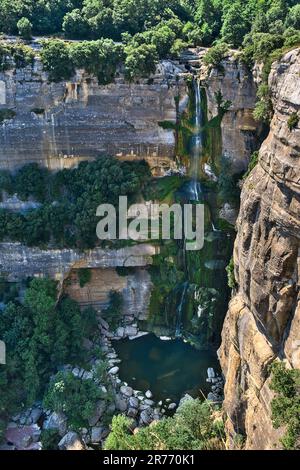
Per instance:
x=235, y=26
x=140, y=61
x=75, y=397
x=216, y=54
x=286, y=405
x=192, y=427
x=25, y=28
x=56, y=60
x=293, y=17
x=75, y=26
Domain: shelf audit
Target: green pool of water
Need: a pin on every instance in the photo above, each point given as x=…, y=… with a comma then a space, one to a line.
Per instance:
x=168, y=368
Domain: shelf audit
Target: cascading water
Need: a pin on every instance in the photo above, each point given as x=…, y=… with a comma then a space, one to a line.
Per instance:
x=194, y=185
x=179, y=311
x=194, y=188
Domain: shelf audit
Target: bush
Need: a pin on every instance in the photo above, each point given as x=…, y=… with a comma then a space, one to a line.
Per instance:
x=56, y=60
x=252, y=164
x=215, y=55
x=140, y=61
x=293, y=121
x=84, y=276
x=25, y=28
x=76, y=398
x=263, y=110
x=286, y=405
x=230, y=275
x=50, y=439
x=6, y=114
x=191, y=428
x=113, y=312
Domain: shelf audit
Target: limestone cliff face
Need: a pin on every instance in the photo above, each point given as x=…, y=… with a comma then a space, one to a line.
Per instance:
x=59, y=124
x=18, y=262
x=263, y=320
x=239, y=129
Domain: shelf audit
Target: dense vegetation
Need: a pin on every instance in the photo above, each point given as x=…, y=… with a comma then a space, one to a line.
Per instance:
x=286, y=405
x=68, y=200
x=148, y=30
x=41, y=335
x=193, y=427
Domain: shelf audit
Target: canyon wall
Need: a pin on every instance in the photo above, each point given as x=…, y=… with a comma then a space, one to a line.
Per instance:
x=263, y=319
x=59, y=124
x=238, y=127
x=18, y=262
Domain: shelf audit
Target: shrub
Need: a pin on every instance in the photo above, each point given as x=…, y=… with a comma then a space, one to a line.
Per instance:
x=263, y=110
x=252, y=164
x=230, y=275
x=84, y=276
x=75, y=397
x=113, y=312
x=140, y=61
x=286, y=405
x=293, y=121
x=25, y=28
x=56, y=59
x=6, y=114
x=191, y=428
x=215, y=55
x=50, y=439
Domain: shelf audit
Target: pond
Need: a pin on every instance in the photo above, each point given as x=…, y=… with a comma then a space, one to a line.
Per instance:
x=168, y=368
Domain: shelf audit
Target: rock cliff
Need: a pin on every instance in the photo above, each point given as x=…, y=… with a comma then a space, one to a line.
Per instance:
x=59, y=124
x=262, y=322
x=239, y=129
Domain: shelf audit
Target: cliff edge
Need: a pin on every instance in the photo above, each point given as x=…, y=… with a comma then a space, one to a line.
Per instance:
x=263, y=320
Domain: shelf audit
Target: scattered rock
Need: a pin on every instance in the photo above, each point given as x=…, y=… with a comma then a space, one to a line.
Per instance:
x=71, y=441
x=172, y=406
x=132, y=412
x=148, y=394
x=56, y=421
x=113, y=370
x=121, y=403
x=134, y=402
x=127, y=391
x=97, y=434
x=35, y=415
x=99, y=412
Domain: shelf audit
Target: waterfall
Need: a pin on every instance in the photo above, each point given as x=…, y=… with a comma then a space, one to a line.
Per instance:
x=179, y=311
x=195, y=186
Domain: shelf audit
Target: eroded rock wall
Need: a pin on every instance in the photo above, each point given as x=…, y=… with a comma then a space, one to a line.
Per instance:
x=239, y=129
x=262, y=322
x=59, y=124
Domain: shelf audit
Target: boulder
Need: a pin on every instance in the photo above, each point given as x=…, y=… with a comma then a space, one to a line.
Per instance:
x=131, y=331
x=132, y=412
x=127, y=391
x=121, y=403
x=146, y=417
x=149, y=394
x=56, y=421
x=97, y=434
x=113, y=370
x=172, y=406
x=35, y=415
x=99, y=412
x=71, y=441
x=134, y=402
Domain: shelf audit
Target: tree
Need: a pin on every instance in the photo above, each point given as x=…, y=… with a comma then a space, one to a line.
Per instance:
x=75, y=397
x=75, y=25
x=56, y=60
x=191, y=428
x=140, y=61
x=234, y=26
x=293, y=17
x=25, y=28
